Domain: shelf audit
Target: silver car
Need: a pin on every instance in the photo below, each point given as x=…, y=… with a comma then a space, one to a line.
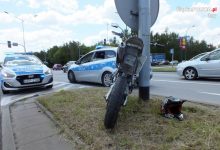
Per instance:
x=202, y=65
x=21, y=71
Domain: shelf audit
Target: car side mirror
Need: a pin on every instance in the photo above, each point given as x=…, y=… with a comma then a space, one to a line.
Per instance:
x=78, y=62
x=207, y=59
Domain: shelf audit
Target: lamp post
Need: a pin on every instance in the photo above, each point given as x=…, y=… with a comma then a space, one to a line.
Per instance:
x=218, y=46
x=189, y=28
x=187, y=36
x=22, y=24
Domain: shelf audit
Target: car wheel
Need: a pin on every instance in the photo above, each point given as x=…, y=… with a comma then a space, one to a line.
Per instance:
x=71, y=77
x=106, y=79
x=190, y=73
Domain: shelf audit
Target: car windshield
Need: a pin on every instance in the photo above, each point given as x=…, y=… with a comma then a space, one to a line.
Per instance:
x=21, y=60
x=199, y=55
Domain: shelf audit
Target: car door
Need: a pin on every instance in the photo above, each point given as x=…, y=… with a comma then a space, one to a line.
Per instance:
x=82, y=71
x=95, y=67
x=210, y=65
x=100, y=61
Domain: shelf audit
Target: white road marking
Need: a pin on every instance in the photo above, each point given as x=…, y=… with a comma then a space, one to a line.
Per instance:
x=187, y=82
x=216, y=94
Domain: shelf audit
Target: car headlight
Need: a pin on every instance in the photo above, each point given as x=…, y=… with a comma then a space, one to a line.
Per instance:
x=48, y=71
x=7, y=74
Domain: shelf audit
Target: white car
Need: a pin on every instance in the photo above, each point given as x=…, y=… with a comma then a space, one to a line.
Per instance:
x=203, y=65
x=96, y=66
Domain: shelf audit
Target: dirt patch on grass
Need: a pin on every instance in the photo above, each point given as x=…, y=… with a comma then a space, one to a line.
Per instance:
x=140, y=125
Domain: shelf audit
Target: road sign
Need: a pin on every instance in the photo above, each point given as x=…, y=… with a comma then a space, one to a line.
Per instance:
x=128, y=11
x=172, y=51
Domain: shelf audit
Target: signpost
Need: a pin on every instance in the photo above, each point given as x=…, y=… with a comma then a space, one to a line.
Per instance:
x=140, y=15
x=128, y=10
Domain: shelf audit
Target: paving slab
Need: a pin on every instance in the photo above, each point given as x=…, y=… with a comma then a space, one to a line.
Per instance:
x=51, y=143
x=33, y=130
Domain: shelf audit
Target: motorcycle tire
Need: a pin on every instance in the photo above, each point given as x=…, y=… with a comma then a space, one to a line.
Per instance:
x=115, y=101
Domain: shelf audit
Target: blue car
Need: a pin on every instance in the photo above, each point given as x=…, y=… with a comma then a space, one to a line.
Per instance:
x=21, y=71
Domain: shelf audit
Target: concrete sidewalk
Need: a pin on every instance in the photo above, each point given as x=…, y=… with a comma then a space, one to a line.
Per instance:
x=33, y=130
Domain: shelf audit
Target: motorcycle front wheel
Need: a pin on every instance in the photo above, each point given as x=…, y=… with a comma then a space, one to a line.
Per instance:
x=115, y=100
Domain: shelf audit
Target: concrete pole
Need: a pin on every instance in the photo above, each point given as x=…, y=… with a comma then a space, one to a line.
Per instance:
x=144, y=34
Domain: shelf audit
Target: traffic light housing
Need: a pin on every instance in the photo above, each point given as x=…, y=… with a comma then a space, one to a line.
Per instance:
x=114, y=40
x=104, y=41
x=9, y=44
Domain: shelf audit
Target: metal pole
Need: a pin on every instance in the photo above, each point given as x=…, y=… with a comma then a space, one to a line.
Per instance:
x=107, y=33
x=172, y=58
x=79, y=52
x=22, y=22
x=144, y=34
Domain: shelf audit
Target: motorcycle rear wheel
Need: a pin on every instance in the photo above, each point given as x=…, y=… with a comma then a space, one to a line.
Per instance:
x=115, y=101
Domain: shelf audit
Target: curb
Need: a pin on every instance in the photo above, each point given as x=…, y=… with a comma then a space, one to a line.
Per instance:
x=8, y=142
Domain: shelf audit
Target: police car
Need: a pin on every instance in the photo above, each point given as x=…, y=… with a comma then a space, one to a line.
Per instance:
x=22, y=71
x=96, y=66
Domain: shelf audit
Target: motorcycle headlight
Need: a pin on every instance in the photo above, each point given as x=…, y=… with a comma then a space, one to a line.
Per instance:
x=8, y=74
x=48, y=71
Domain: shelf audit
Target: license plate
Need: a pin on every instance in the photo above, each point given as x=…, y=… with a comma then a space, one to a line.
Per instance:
x=32, y=80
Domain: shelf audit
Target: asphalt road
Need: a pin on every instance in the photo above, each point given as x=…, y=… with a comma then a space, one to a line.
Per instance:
x=170, y=84
x=201, y=90
x=164, y=84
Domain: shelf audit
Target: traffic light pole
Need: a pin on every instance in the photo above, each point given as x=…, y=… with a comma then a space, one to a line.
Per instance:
x=144, y=34
x=22, y=22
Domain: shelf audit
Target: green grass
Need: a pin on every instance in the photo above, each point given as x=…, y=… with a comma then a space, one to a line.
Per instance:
x=140, y=124
x=164, y=69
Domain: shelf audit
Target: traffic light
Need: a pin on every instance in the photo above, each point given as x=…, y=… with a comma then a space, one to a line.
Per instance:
x=114, y=40
x=9, y=44
x=104, y=41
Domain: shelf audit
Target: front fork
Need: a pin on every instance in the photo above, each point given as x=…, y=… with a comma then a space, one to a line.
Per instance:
x=127, y=91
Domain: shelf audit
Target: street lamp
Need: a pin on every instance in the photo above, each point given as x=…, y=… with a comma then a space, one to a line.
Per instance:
x=124, y=33
x=188, y=29
x=22, y=23
x=115, y=25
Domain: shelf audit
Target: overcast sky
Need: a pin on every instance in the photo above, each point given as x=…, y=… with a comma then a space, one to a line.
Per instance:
x=55, y=22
